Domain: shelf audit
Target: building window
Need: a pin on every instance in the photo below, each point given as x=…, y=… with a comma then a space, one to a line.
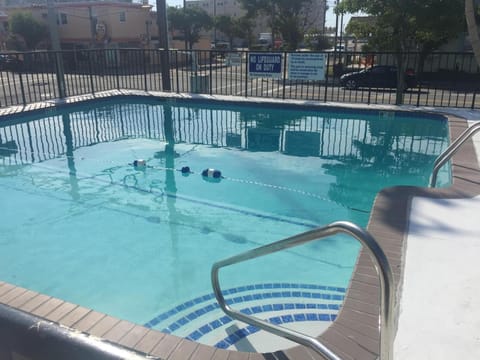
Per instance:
x=63, y=19
x=123, y=16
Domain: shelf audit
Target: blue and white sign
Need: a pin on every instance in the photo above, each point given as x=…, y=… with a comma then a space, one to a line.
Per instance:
x=306, y=66
x=265, y=65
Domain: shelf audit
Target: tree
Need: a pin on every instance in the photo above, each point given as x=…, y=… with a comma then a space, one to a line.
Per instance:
x=471, y=14
x=191, y=21
x=403, y=26
x=231, y=27
x=287, y=17
x=28, y=28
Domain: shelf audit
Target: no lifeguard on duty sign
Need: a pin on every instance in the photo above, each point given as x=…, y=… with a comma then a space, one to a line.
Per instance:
x=265, y=65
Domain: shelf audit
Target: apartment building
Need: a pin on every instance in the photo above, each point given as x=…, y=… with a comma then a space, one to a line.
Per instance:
x=315, y=14
x=97, y=24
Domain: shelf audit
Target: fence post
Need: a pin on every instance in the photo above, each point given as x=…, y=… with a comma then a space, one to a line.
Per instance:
x=117, y=75
x=246, y=74
x=22, y=89
x=144, y=53
x=176, y=70
x=90, y=70
x=326, y=78
x=60, y=74
x=211, y=68
x=285, y=75
x=473, y=98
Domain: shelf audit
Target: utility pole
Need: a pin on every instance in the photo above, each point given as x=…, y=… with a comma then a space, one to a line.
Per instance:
x=163, y=39
x=214, y=23
x=55, y=40
x=93, y=29
x=185, y=35
x=341, y=33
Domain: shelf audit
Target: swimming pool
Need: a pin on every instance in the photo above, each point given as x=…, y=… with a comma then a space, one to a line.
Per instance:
x=83, y=224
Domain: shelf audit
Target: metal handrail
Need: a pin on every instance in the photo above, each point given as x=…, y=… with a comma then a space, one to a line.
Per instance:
x=381, y=264
x=451, y=150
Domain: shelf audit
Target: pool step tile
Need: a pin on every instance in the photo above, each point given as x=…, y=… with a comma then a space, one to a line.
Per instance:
x=201, y=319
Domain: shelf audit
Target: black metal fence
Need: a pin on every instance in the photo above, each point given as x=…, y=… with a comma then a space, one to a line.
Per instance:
x=440, y=79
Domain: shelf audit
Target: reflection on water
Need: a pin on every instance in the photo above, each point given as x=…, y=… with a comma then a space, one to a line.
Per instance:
x=354, y=145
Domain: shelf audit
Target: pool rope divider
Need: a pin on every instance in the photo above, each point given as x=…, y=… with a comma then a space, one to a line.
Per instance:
x=214, y=176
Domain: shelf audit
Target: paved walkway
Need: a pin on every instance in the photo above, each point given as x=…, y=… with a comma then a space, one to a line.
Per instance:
x=440, y=305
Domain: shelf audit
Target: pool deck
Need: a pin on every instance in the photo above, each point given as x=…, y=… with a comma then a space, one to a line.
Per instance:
x=419, y=234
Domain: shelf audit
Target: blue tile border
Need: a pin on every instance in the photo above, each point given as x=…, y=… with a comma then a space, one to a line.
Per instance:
x=277, y=320
x=165, y=315
x=288, y=318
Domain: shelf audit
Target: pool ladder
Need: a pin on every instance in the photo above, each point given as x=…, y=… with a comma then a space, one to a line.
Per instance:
x=387, y=295
x=451, y=150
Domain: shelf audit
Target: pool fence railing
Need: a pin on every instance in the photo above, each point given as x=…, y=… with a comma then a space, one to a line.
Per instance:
x=441, y=79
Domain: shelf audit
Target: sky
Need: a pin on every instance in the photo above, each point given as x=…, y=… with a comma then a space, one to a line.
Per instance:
x=330, y=19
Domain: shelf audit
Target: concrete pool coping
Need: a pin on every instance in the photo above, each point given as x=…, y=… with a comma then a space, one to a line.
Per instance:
x=354, y=335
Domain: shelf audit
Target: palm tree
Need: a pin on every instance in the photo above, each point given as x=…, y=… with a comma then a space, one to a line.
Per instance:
x=470, y=12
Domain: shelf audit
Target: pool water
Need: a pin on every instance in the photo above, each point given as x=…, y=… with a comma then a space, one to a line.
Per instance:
x=81, y=223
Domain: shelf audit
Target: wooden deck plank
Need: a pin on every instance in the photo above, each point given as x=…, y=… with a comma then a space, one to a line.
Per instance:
x=166, y=346
x=184, y=350
x=22, y=299
x=88, y=321
x=203, y=352
x=103, y=326
x=135, y=334
x=47, y=307
x=5, y=288
x=34, y=302
x=61, y=311
x=74, y=316
x=237, y=355
x=148, y=342
x=12, y=294
x=220, y=354
x=348, y=346
x=119, y=330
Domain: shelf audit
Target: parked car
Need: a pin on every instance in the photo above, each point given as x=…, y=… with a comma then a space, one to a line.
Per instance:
x=377, y=76
x=10, y=62
x=219, y=49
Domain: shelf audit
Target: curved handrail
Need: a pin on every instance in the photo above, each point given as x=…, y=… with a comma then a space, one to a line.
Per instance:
x=381, y=265
x=451, y=150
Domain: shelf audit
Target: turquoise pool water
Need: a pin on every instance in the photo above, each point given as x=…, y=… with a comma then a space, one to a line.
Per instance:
x=81, y=223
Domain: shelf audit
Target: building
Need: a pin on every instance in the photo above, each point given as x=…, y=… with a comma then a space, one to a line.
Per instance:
x=95, y=24
x=315, y=15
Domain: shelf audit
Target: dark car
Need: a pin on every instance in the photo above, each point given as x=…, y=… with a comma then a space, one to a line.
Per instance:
x=378, y=76
x=10, y=62
x=219, y=49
